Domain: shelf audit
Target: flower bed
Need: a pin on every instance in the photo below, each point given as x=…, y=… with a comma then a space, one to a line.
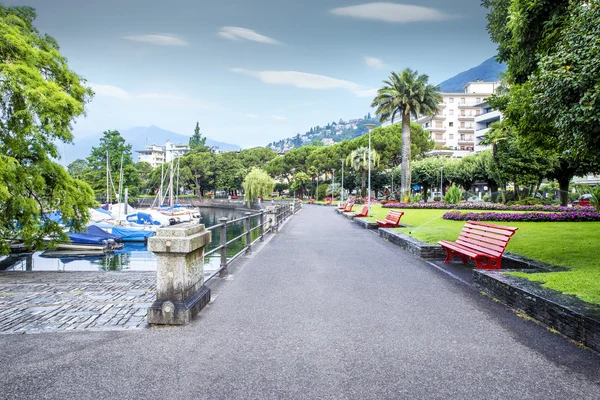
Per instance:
x=567, y=216
x=487, y=206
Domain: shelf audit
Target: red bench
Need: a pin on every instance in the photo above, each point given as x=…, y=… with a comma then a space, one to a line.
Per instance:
x=343, y=206
x=348, y=207
x=363, y=213
x=480, y=242
x=311, y=201
x=392, y=219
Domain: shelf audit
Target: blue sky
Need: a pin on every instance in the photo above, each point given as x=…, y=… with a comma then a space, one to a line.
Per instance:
x=253, y=71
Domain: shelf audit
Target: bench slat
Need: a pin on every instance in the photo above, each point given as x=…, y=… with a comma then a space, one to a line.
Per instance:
x=493, y=230
x=480, y=249
x=509, y=228
x=483, y=239
x=486, y=234
x=461, y=249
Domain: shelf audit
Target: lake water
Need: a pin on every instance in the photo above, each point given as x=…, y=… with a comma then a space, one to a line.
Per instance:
x=133, y=256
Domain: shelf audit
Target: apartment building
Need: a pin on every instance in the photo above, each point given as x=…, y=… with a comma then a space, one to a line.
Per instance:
x=483, y=121
x=454, y=127
x=153, y=155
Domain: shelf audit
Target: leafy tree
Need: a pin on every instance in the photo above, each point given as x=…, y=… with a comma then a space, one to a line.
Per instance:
x=201, y=167
x=359, y=161
x=230, y=172
x=406, y=94
x=257, y=184
x=144, y=170
x=427, y=174
x=299, y=182
x=197, y=142
x=41, y=97
x=256, y=157
x=113, y=146
x=316, y=143
x=78, y=168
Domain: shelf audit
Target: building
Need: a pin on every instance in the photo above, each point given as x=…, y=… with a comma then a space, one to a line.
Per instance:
x=453, y=128
x=153, y=155
x=173, y=151
x=328, y=141
x=483, y=121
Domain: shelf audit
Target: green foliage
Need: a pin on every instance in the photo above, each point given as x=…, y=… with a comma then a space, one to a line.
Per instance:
x=453, y=195
x=78, y=168
x=197, y=142
x=113, y=146
x=358, y=160
x=41, y=97
x=406, y=94
x=257, y=184
x=595, y=199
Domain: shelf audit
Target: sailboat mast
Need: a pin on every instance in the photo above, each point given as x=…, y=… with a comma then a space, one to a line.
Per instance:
x=162, y=179
x=107, y=184
x=171, y=203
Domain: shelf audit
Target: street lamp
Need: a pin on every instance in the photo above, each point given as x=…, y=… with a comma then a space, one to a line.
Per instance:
x=317, y=196
x=332, y=184
x=442, y=181
x=342, y=191
x=370, y=128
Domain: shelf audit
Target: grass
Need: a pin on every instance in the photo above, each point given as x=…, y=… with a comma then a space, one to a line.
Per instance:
x=573, y=245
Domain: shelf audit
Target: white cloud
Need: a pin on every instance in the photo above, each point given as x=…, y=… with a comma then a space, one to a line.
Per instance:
x=278, y=118
x=237, y=33
x=374, y=62
x=155, y=97
x=392, y=12
x=250, y=115
x=366, y=92
x=109, y=90
x=298, y=79
x=165, y=39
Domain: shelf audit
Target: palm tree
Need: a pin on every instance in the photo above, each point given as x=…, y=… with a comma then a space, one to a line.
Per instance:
x=406, y=94
x=359, y=161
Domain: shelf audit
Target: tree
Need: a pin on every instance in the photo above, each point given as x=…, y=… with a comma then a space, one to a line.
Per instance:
x=359, y=161
x=299, y=182
x=406, y=94
x=78, y=168
x=41, y=98
x=230, y=172
x=197, y=142
x=201, y=166
x=256, y=157
x=257, y=184
x=144, y=170
x=114, y=148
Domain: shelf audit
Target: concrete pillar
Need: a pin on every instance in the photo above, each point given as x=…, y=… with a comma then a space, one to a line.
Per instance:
x=180, y=290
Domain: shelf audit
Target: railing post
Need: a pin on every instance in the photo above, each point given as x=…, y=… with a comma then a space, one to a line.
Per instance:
x=248, y=238
x=262, y=225
x=223, y=234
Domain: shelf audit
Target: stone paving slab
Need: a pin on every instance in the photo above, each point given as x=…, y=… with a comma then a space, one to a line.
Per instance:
x=35, y=302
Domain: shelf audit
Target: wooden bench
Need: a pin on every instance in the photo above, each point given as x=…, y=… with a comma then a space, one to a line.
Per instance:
x=343, y=206
x=483, y=243
x=311, y=201
x=348, y=207
x=392, y=219
x=363, y=213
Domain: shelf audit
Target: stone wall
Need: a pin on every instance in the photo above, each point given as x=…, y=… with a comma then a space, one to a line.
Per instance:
x=414, y=246
x=570, y=316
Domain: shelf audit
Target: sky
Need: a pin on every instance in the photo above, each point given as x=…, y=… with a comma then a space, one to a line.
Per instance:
x=252, y=71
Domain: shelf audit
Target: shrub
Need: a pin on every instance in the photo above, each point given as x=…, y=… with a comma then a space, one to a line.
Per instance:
x=437, y=198
x=453, y=195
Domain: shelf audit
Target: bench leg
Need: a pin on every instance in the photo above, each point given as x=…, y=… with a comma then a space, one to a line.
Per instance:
x=451, y=253
x=488, y=263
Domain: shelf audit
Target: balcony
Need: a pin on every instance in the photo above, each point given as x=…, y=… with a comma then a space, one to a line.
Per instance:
x=466, y=118
x=468, y=106
x=439, y=117
x=465, y=142
x=435, y=129
x=440, y=142
x=466, y=130
x=488, y=117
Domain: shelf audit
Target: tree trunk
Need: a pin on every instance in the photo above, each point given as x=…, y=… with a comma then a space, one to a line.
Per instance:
x=364, y=184
x=563, y=185
x=405, y=184
x=494, y=191
x=425, y=193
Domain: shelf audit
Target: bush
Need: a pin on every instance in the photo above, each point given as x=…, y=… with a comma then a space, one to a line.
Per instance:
x=437, y=199
x=453, y=195
x=415, y=198
x=531, y=201
x=568, y=216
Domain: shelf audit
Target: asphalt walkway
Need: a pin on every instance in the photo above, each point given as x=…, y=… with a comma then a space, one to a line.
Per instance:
x=325, y=311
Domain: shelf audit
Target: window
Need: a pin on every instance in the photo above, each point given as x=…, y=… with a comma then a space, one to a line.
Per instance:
x=451, y=100
x=478, y=100
x=450, y=112
x=451, y=124
x=462, y=100
x=439, y=137
x=462, y=137
x=451, y=136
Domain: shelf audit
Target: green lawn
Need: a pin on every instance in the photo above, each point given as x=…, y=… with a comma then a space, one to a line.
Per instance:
x=569, y=244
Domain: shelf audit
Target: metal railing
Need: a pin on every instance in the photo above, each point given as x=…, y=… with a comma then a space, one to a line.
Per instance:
x=270, y=218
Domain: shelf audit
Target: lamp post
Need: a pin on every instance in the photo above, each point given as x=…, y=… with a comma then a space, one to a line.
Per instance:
x=342, y=191
x=442, y=181
x=370, y=128
x=317, y=196
x=332, y=184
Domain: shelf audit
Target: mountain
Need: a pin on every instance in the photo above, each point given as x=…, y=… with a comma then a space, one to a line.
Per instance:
x=139, y=137
x=488, y=71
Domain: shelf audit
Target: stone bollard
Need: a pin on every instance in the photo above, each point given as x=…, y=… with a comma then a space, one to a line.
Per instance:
x=180, y=290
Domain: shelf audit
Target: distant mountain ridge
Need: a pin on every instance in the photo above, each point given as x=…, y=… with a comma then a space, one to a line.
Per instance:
x=488, y=71
x=139, y=137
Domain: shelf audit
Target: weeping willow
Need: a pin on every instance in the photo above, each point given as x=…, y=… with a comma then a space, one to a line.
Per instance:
x=256, y=184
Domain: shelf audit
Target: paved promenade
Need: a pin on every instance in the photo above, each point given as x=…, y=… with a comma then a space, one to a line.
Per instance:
x=326, y=310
